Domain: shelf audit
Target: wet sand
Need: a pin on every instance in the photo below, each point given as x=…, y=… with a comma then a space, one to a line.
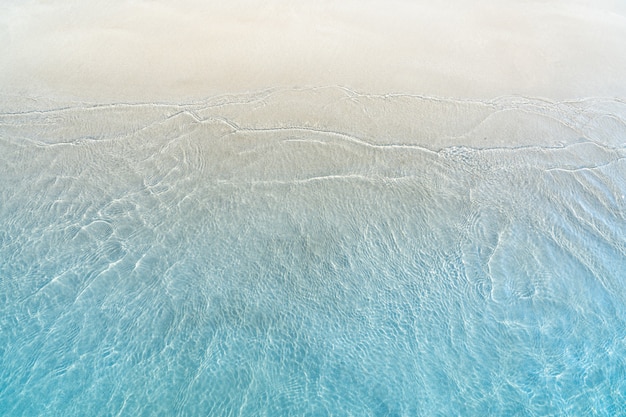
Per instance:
x=145, y=51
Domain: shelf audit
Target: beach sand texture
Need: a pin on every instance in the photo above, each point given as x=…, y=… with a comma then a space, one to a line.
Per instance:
x=157, y=50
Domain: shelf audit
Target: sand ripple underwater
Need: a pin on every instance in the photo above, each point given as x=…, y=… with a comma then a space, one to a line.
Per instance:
x=314, y=252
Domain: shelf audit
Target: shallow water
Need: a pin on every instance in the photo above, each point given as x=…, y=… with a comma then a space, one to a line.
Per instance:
x=250, y=256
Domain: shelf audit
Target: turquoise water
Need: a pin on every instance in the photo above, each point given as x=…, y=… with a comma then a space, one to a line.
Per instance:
x=174, y=268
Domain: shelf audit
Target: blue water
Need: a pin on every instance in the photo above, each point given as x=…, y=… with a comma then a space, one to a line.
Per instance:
x=178, y=272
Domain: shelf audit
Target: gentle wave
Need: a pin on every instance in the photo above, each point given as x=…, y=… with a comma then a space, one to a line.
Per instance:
x=180, y=260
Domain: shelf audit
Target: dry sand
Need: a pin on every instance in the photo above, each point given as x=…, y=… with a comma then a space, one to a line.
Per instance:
x=111, y=51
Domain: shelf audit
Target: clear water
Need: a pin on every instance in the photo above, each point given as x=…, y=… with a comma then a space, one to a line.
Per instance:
x=171, y=270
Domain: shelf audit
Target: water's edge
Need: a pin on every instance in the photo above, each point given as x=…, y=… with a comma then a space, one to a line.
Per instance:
x=316, y=252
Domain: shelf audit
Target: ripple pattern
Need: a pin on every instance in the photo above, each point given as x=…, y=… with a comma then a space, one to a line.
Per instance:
x=178, y=260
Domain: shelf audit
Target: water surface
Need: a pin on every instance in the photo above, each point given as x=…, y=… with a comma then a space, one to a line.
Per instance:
x=271, y=256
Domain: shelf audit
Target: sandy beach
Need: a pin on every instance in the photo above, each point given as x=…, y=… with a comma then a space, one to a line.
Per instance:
x=312, y=208
x=157, y=51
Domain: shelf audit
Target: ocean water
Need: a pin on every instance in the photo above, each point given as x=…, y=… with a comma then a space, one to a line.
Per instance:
x=249, y=256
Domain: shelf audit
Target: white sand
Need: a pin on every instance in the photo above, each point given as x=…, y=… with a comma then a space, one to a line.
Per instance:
x=164, y=50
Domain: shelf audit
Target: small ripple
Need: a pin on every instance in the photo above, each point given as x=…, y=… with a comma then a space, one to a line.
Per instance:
x=99, y=230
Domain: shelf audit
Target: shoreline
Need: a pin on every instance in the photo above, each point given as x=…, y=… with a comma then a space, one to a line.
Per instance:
x=151, y=51
x=378, y=120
